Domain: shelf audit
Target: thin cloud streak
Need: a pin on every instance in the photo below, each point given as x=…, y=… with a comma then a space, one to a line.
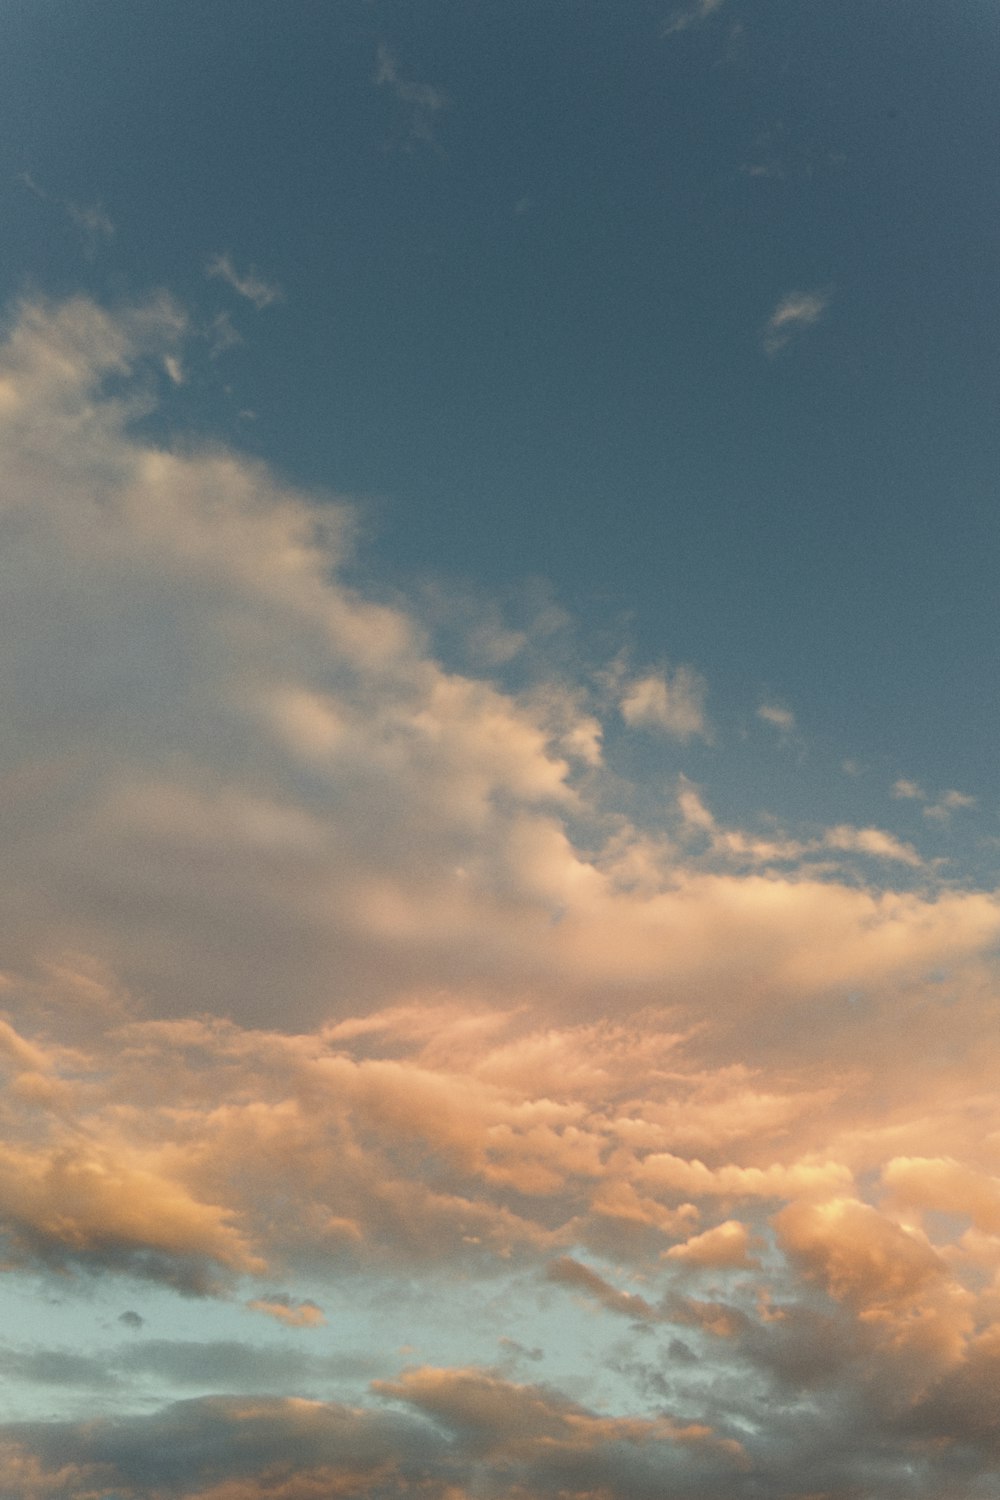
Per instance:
x=422, y=100
x=794, y=313
x=246, y=284
x=685, y=19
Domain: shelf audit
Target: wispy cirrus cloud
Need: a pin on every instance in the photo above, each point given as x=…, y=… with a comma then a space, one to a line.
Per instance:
x=937, y=811
x=683, y=20
x=782, y=718
x=247, y=284
x=90, y=219
x=93, y=223
x=796, y=312
x=422, y=100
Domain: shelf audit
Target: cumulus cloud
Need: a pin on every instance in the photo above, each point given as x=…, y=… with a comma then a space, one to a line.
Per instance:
x=673, y=703
x=949, y=802
x=910, y=790
x=725, y=1246
x=795, y=312
x=325, y=959
x=938, y=811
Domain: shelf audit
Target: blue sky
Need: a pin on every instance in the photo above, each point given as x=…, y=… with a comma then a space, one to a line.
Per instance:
x=497, y=596
x=526, y=321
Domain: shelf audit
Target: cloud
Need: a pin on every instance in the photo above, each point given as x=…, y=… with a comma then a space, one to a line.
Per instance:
x=860, y=1256
x=29, y=182
x=723, y=1247
x=93, y=223
x=285, y=1448
x=908, y=789
x=258, y=780
x=55, y=1367
x=542, y=1432
x=673, y=703
x=875, y=842
x=66, y=1205
x=221, y=335
x=247, y=284
x=234, y=1366
x=569, y=1272
x=423, y=101
x=795, y=312
x=329, y=965
x=781, y=718
x=89, y=218
x=454, y=1426
x=683, y=20
x=939, y=811
x=287, y=1310
x=950, y=801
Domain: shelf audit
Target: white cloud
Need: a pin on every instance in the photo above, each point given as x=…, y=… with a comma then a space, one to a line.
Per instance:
x=257, y=780
x=89, y=218
x=684, y=19
x=949, y=802
x=248, y=284
x=221, y=335
x=781, y=718
x=32, y=186
x=673, y=703
x=875, y=842
x=423, y=100
x=692, y=808
x=795, y=312
x=940, y=811
x=908, y=790
x=93, y=223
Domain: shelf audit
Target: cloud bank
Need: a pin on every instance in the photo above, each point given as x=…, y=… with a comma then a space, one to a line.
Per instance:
x=326, y=960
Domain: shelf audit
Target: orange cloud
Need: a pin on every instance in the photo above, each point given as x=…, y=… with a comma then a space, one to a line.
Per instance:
x=723, y=1247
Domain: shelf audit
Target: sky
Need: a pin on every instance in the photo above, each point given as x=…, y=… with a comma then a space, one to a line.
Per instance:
x=499, y=918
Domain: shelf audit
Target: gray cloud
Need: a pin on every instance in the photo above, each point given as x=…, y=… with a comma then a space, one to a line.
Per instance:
x=570, y=1273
